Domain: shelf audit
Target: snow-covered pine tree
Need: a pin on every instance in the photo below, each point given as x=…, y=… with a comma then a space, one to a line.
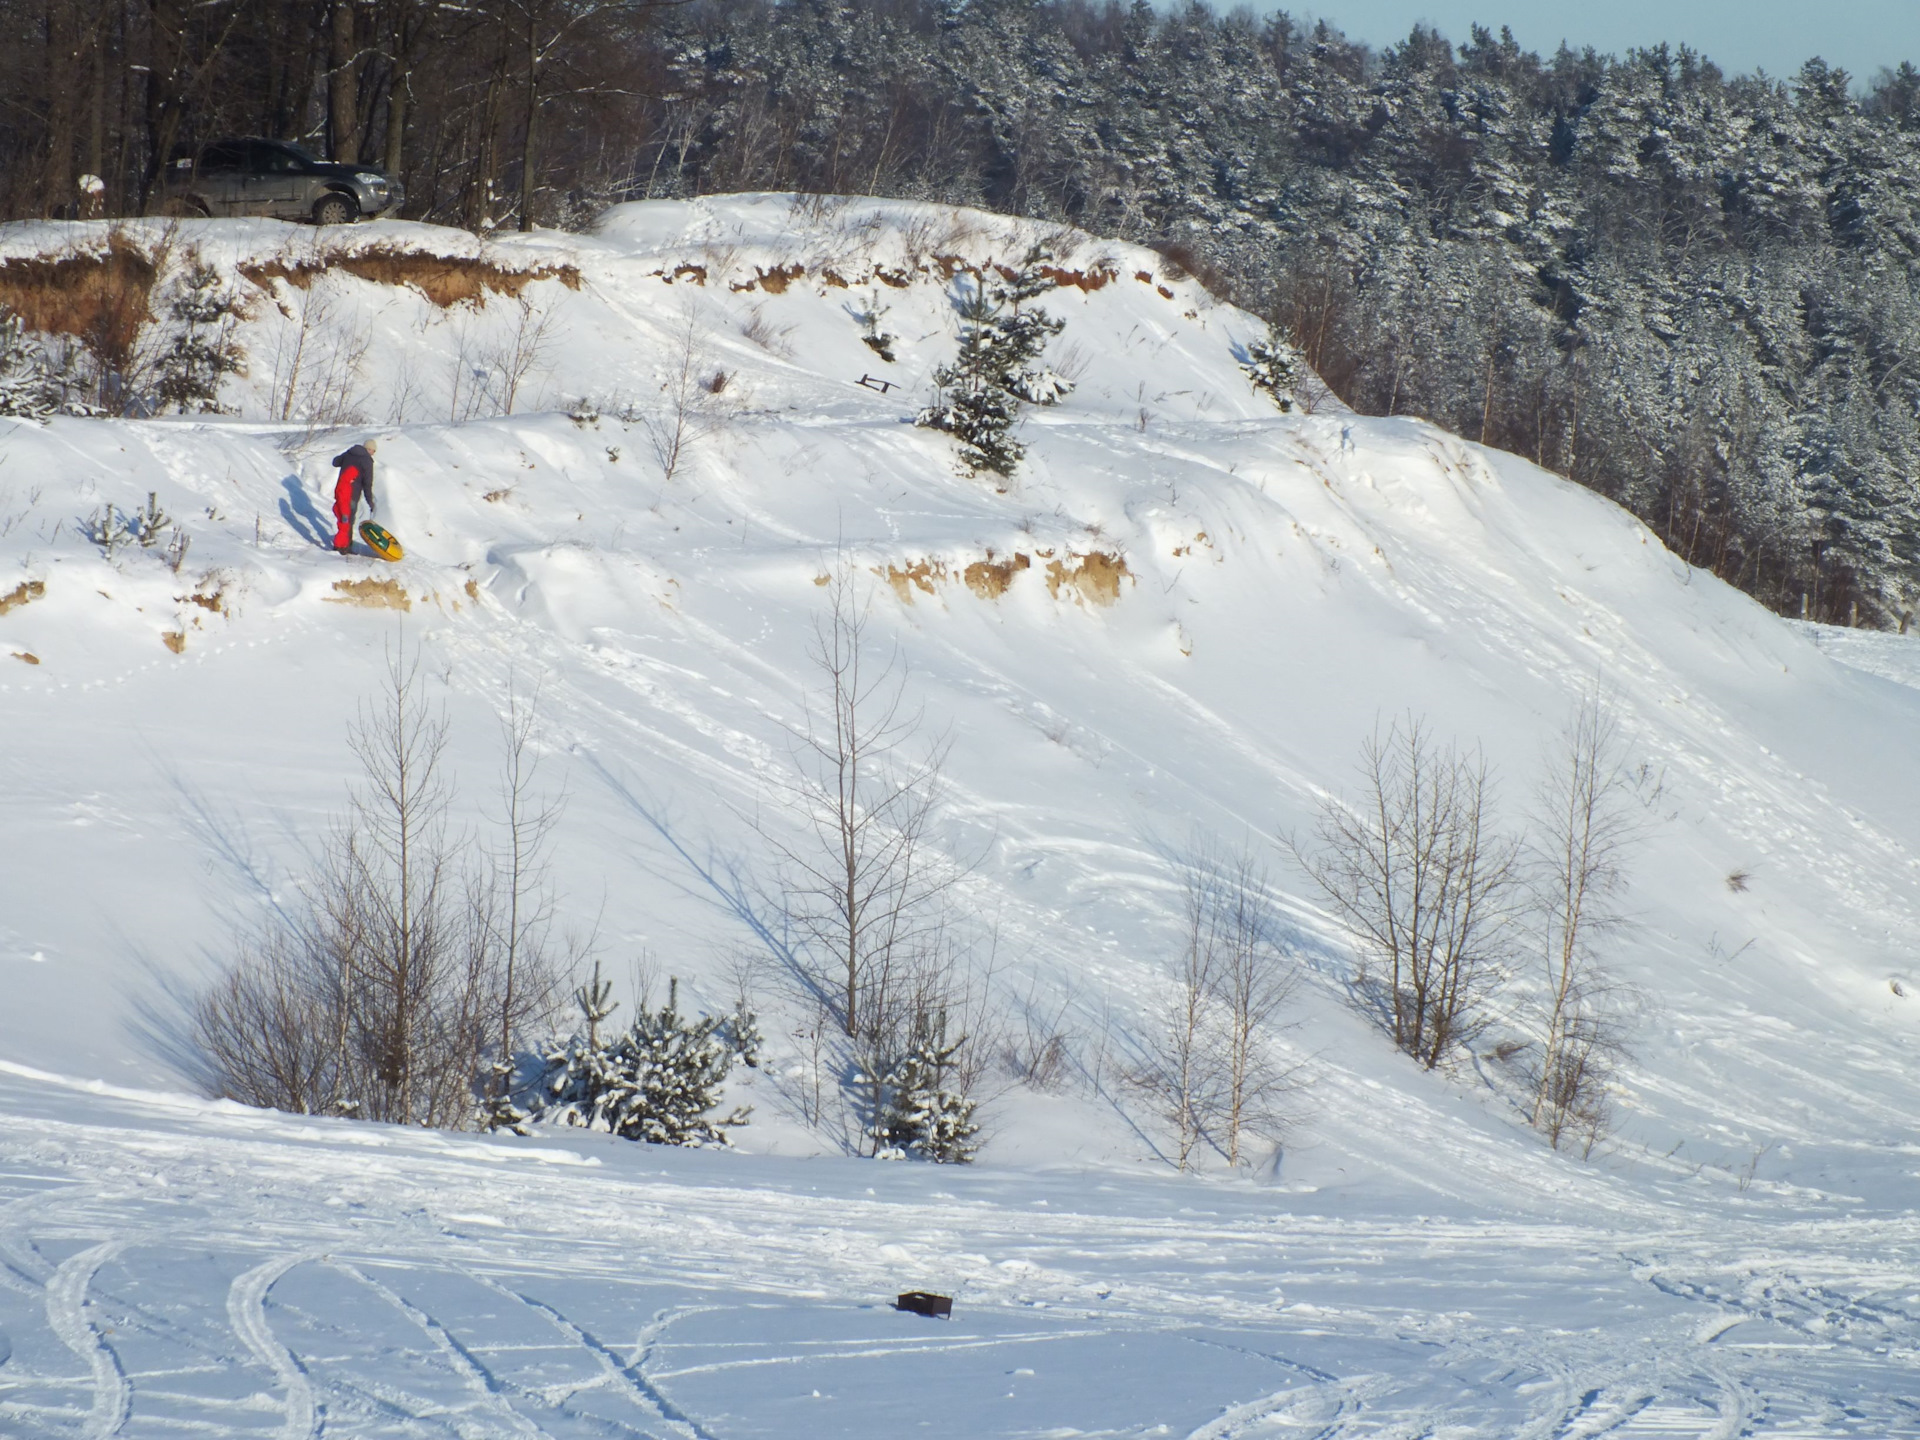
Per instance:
x=1273, y=366
x=741, y=1030
x=203, y=353
x=1024, y=332
x=560, y=1077
x=919, y=1116
x=29, y=389
x=1001, y=341
x=657, y=1081
x=871, y=335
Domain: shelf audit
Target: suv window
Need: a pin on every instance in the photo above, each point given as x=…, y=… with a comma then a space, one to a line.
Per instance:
x=223, y=159
x=277, y=160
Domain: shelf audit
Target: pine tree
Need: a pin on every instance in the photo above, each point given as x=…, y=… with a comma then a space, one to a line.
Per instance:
x=657, y=1081
x=1001, y=341
x=741, y=1030
x=1274, y=367
x=919, y=1116
x=29, y=389
x=203, y=353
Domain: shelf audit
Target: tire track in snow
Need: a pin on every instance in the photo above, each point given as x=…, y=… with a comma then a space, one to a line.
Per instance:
x=477, y=1375
x=66, y=1315
x=1741, y=1407
x=632, y=1373
x=22, y=1268
x=247, y=1312
x=1284, y=1407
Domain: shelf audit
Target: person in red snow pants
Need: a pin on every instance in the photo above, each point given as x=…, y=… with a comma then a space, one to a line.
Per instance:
x=350, y=487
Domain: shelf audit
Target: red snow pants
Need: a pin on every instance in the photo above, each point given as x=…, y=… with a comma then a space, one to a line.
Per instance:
x=343, y=507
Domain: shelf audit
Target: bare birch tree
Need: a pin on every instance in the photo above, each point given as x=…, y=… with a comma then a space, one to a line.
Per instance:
x=693, y=401
x=517, y=901
x=400, y=899
x=1210, y=1068
x=1253, y=982
x=385, y=996
x=1429, y=889
x=1183, y=1074
x=864, y=885
x=1582, y=830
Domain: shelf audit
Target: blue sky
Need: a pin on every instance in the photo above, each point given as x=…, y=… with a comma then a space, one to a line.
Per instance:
x=1739, y=35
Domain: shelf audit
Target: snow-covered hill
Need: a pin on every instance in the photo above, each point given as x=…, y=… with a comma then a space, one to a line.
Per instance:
x=1181, y=618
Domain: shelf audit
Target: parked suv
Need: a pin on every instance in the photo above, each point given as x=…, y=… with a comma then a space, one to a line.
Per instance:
x=271, y=177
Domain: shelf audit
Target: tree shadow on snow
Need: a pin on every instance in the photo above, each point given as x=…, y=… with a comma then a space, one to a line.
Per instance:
x=722, y=877
x=162, y=1023
x=299, y=512
x=226, y=838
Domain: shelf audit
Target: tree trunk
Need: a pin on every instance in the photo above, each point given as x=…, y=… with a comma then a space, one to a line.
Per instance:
x=97, y=94
x=63, y=92
x=343, y=85
x=530, y=144
x=399, y=90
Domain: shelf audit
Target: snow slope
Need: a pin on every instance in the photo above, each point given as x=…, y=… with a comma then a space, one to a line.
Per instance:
x=1188, y=611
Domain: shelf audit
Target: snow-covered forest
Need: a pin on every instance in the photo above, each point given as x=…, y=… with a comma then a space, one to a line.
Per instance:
x=1689, y=291
x=1693, y=293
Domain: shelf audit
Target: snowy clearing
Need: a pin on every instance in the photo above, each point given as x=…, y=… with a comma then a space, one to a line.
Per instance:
x=1182, y=616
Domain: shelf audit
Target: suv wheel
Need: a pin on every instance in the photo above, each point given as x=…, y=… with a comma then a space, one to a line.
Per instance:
x=335, y=210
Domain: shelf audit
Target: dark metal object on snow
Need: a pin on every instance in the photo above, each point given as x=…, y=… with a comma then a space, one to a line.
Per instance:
x=920, y=1302
x=874, y=382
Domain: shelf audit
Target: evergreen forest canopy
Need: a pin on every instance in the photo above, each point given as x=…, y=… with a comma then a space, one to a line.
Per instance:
x=1690, y=292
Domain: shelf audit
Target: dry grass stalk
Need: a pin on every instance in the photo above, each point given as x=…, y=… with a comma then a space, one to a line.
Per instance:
x=446, y=280
x=370, y=594
x=25, y=593
x=100, y=298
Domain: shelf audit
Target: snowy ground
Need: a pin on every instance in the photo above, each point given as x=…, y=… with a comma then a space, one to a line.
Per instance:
x=1742, y=1258
x=173, y=1267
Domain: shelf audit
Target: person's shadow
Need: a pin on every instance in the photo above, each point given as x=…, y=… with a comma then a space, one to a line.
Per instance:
x=299, y=512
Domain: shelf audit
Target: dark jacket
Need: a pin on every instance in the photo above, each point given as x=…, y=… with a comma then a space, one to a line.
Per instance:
x=356, y=457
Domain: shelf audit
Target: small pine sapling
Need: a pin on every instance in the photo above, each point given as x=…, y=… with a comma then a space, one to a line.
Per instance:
x=658, y=1081
x=1274, y=368
x=29, y=388
x=203, y=352
x=151, y=523
x=562, y=1071
x=879, y=341
x=741, y=1030
x=109, y=529
x=998, y=368
x=919, y=1116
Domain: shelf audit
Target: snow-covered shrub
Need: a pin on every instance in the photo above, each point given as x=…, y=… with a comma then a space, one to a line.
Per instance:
x=203, y=352
x=1273, y=366
x=656, y=1081
x=1001, y=341
x=918, y=1115
x=29, y=387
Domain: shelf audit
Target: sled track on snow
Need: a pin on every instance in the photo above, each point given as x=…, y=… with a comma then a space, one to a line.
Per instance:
x=66, y=1315
x=247, y=1313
